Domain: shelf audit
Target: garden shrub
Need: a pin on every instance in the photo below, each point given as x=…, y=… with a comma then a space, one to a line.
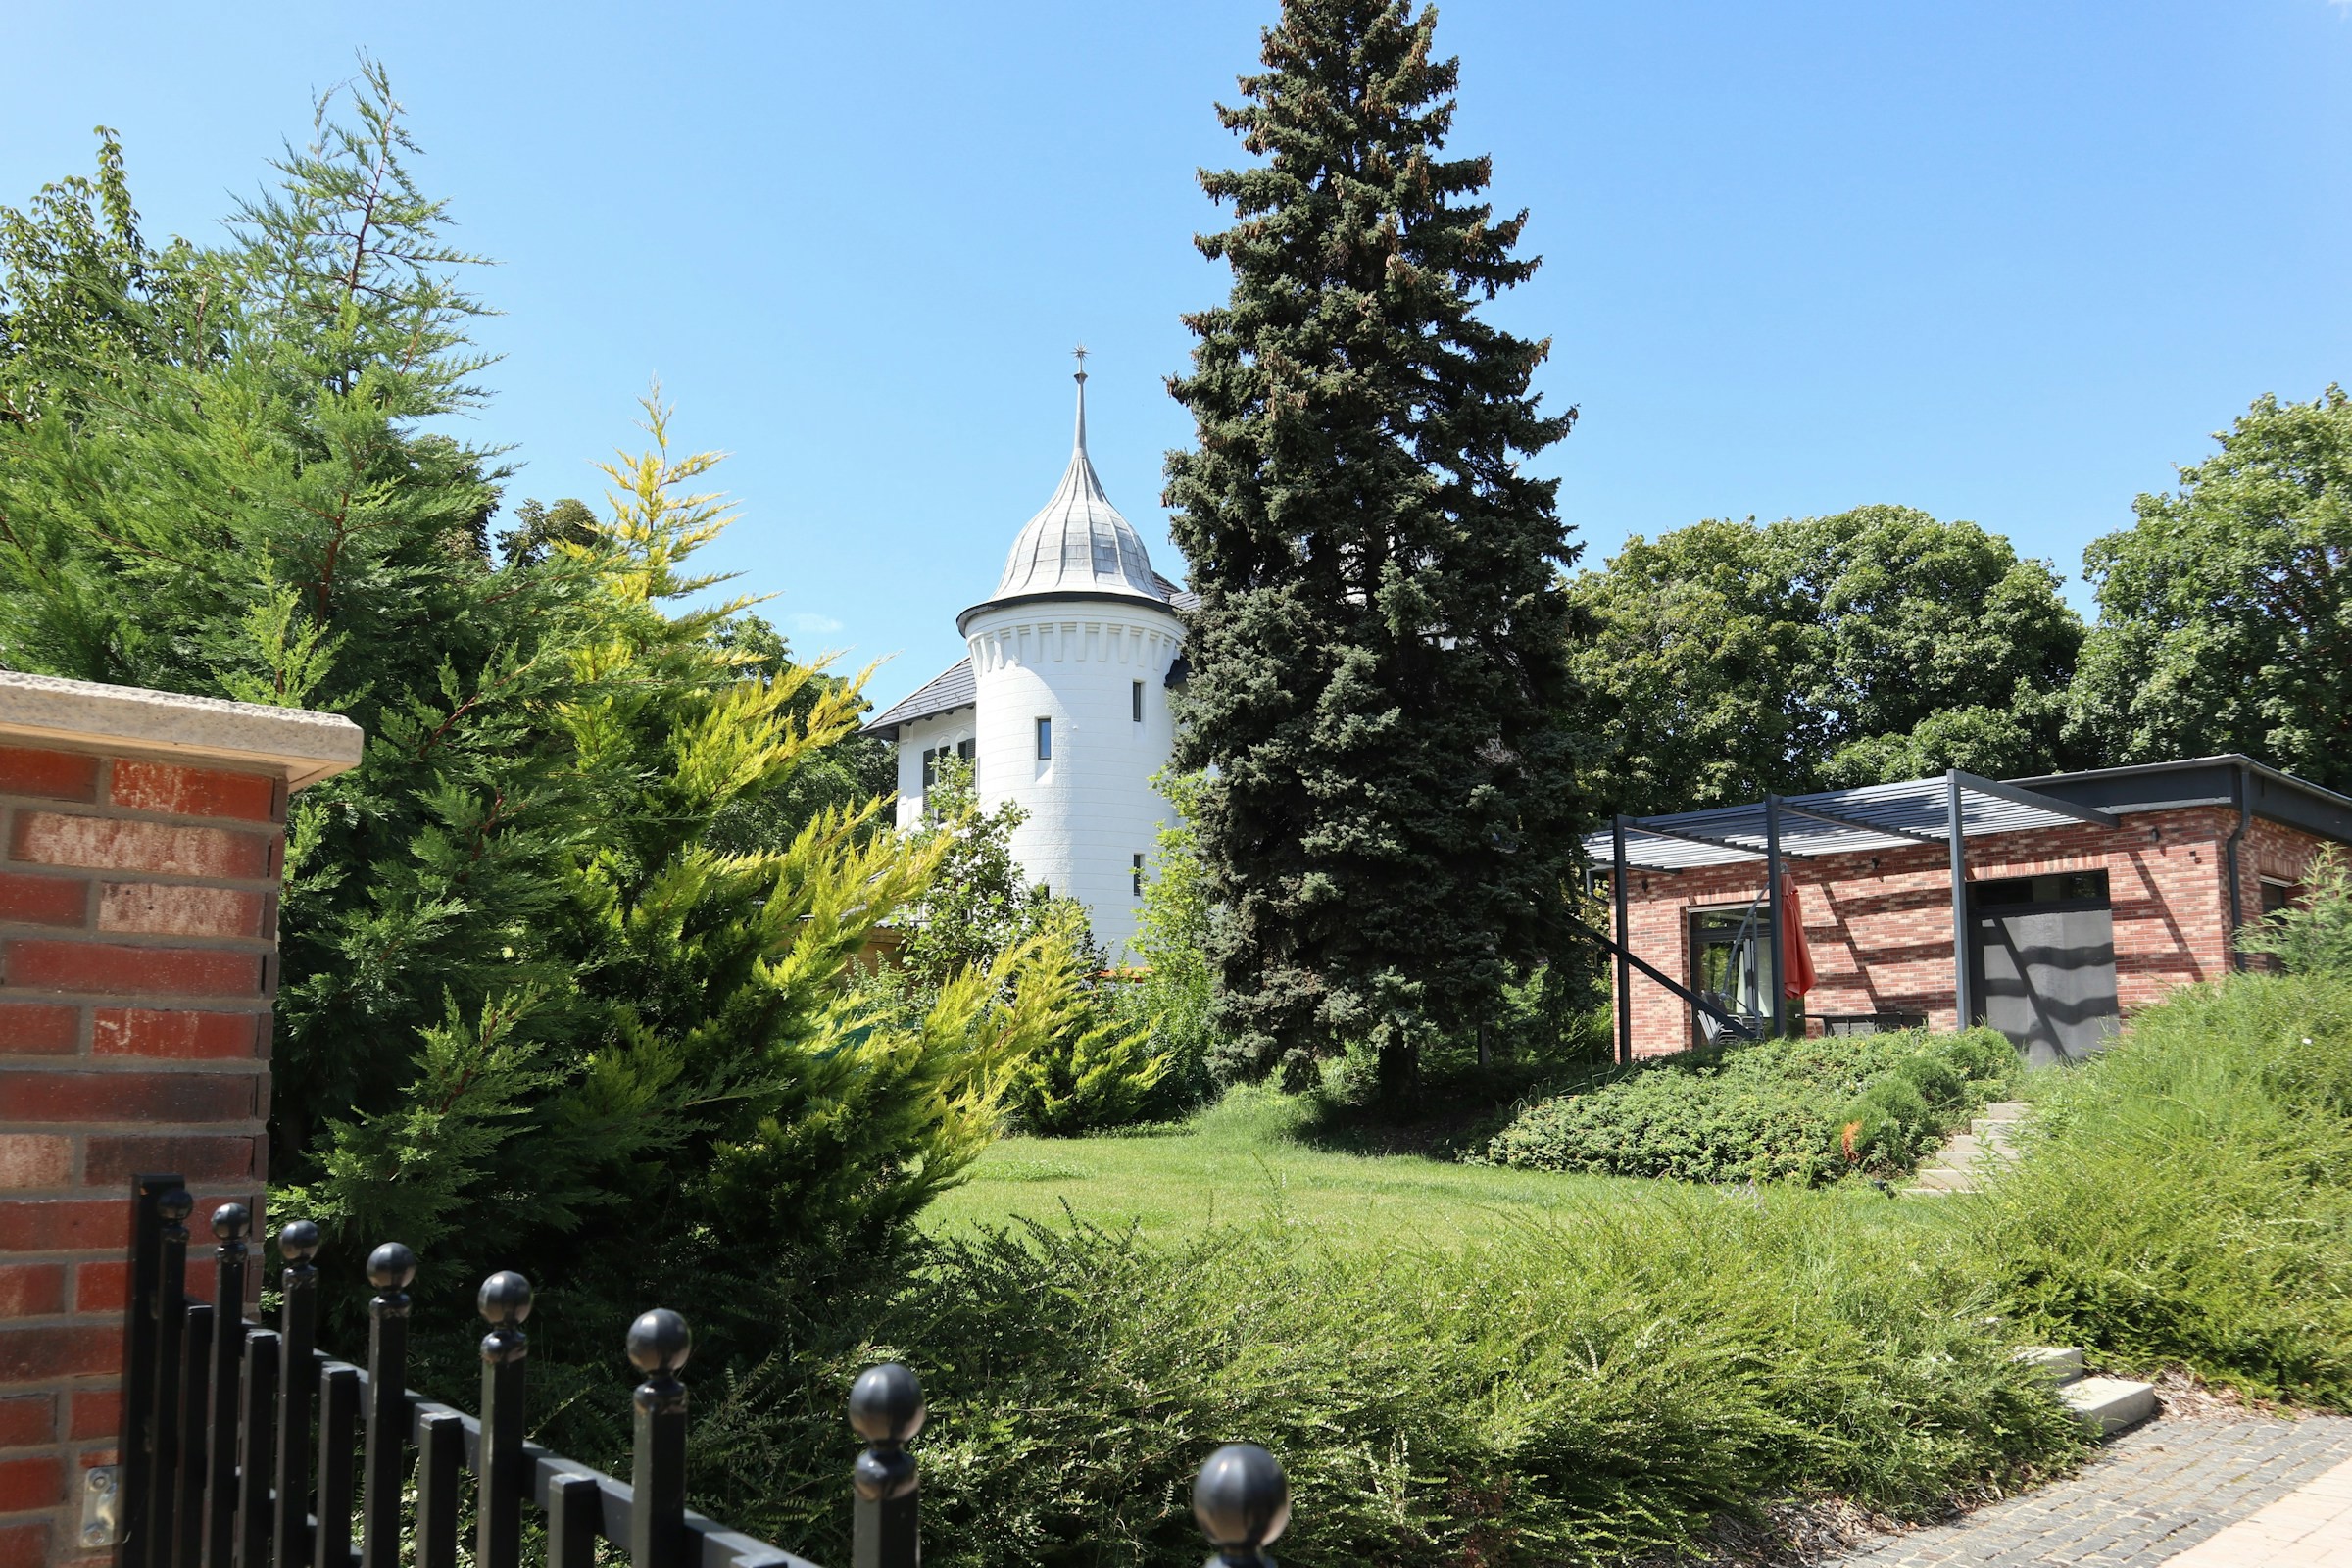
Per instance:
x=1769, y=1111
x=2187, y=1196
x=2315, y=935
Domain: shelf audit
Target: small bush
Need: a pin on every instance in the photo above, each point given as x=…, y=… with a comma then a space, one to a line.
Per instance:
x=2314, y=936
x=1805, y=1111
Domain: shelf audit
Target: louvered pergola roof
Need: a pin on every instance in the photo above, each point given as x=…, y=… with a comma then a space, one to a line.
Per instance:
x=1868, y=817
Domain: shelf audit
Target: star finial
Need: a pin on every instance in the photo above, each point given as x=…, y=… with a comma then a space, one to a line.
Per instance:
x=1080, y=353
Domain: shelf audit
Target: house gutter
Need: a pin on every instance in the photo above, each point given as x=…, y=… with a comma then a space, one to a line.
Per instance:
x=2237, y=892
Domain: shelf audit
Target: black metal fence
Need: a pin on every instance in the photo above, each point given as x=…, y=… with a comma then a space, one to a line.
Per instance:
x=222, y=1418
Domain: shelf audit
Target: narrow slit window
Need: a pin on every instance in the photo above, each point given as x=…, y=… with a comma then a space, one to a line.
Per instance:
x=930, y=765
x=1139, y=702
x=1044, y=740
x=1138, y=876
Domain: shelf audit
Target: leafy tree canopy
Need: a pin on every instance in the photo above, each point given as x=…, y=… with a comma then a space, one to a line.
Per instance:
x=1876, y=644
x=2226, y=611
x=1379, y=676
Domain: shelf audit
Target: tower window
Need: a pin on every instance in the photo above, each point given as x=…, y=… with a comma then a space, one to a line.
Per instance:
x=1044, y=740
x=1139, y=702
x=963, y=749
x=930, y=765
x=1138, y=876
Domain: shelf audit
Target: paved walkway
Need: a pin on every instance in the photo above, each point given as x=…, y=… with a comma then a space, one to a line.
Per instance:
x=2249, y=1492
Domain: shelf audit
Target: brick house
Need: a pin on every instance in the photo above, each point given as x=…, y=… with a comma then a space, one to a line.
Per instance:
x=2048, y=907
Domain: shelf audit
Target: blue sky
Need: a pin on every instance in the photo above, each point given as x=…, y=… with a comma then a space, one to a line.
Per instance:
x=2005, y=262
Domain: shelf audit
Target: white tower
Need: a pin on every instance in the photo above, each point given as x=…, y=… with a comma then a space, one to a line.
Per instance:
x=1069, y=659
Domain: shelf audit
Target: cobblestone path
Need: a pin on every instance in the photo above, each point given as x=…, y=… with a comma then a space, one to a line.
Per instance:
x=2158, y=1491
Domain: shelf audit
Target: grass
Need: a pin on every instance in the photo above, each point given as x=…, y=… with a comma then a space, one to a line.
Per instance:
x=1250, y=1159
x=1522, y=1369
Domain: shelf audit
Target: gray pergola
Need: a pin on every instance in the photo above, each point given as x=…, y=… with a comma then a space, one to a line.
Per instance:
x=1945, y=812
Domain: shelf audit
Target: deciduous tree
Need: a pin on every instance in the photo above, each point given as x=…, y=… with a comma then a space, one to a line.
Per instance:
x=1870, y=645
x=2226, y=611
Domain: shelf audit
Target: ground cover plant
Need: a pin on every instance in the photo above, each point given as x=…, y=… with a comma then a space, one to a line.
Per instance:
x=1805, y=1111
x=2188, y=1199
x=1567, y=1389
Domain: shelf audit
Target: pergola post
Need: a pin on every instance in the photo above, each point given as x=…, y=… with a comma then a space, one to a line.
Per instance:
x=1772, y=893
x=1625, y=977
x=1964, y=1001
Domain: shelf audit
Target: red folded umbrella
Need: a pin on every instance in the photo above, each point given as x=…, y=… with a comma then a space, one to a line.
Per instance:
x=1796, y=958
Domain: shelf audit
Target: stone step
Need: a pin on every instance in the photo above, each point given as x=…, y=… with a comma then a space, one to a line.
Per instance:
x=2107, y=1406
x=1927, y=1191
x=2063, y=1363
x=2003, y=1133
x=2005, y=1110
x=1962, y=1148
x=1944, y=1176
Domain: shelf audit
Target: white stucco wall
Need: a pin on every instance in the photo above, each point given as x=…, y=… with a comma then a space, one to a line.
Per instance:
x=943, y=729
x=1092, y=808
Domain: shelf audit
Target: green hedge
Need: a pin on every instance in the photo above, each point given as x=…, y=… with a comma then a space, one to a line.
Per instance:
x=1769, y=1110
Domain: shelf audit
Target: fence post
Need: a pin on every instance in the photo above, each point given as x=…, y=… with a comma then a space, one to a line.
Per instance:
x=1242, y=1501
x=140, y=1344
x=887, y=1410
x=338, y=1427
x=170, y=1346
x=659, y=1343
x=390, y=1267
x=298, y=1328
x=441, y=1455
x=505, y=1301
x=229, y=1224
x=195, y=1451
x=253, y=1461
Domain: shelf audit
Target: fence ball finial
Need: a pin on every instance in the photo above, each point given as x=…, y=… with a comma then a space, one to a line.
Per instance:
x=230, y=1220
x=298, y=1241
x=177, y=1205
x=659, y=1343
x=391, y=1266
x=886, y=1405
x=1242, y=1501
x=505, y=1299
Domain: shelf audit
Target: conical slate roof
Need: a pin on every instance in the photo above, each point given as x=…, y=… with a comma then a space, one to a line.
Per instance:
x=1078, y=543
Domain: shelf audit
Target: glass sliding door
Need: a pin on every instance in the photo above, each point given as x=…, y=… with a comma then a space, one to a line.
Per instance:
x=1730, y=965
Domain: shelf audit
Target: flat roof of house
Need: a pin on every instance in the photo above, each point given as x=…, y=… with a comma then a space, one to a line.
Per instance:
x=1881, y=816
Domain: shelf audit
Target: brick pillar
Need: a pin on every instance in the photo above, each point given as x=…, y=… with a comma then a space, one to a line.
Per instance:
x=138, y=921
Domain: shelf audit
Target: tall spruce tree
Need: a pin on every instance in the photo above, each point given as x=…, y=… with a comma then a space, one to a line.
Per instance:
x=1379, y=674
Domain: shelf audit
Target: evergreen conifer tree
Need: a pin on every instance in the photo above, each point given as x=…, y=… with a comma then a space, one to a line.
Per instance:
x=571, y=958
x=1379, y=662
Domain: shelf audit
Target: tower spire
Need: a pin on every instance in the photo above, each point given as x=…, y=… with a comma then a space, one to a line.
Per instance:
x=1080, y=354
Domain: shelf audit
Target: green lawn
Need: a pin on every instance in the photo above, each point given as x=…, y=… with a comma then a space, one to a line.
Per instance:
x=1240, y=1162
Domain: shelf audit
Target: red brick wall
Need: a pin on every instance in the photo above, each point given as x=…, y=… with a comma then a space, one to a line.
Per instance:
x=1880, y=926
x=138, y=912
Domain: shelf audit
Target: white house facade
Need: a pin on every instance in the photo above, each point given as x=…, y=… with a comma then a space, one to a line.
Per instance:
x=1062, y=703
